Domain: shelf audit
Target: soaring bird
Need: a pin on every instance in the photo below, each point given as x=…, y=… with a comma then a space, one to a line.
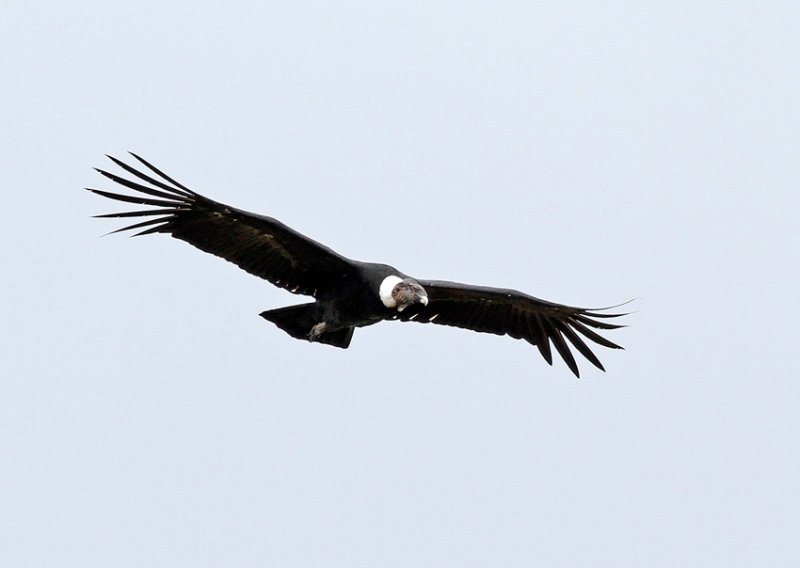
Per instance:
x=347, y=293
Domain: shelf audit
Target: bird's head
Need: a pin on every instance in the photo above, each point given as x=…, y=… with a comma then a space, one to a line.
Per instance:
x=399, y=293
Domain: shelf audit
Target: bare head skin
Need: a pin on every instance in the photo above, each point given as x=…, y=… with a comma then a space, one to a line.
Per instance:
x=409, y=292
x=399, y=293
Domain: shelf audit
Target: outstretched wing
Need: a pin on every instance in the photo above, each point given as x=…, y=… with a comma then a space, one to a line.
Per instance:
x=508, y=312
x=261, y=245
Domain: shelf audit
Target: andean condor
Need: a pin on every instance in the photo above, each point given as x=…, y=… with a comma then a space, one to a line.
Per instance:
x=347, y=293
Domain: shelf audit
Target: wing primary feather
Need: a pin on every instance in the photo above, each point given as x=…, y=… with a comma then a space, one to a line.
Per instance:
x=150, y=231
x=136, y=199
x=144, y=213
x=596, y=324
x=579, y=344
x=540, y=338
x=594, y=314
x=160, y=173
x=140, y=225
x=139, y=187
x=144, y=177
x=597, y=338
x=563, y=350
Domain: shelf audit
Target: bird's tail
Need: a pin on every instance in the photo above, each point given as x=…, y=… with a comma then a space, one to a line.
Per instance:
x=298, y=322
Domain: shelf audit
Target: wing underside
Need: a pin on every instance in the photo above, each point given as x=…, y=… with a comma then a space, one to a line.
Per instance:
x=509, y=312
x=260, y=245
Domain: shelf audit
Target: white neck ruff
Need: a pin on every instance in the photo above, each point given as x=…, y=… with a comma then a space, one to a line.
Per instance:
x=385, y=291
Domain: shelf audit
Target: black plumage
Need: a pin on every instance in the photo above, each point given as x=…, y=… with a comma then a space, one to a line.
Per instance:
x=347, y=293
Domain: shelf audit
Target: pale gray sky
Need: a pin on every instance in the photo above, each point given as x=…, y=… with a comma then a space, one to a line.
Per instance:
x=586, y=153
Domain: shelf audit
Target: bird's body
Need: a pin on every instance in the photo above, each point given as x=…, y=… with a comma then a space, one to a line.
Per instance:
x=350, y=301
x=347, y=293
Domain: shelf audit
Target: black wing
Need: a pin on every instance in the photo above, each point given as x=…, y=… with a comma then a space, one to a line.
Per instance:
x=508, y=312
x=261, y=245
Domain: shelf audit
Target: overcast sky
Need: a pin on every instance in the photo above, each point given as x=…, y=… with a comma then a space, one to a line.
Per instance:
x=586, y=153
